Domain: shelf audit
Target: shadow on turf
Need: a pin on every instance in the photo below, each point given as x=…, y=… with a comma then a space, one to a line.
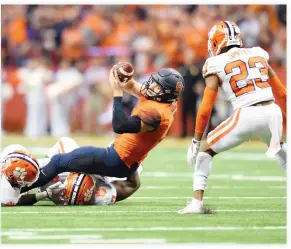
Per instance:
x=208, y=210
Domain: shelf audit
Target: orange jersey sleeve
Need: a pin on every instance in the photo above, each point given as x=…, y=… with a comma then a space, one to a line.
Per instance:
x=133, y=148
x=280, y=93
x=205, y=109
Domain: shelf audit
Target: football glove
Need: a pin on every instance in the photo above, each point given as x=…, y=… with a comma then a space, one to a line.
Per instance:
x=193, y=152
x=54, y=189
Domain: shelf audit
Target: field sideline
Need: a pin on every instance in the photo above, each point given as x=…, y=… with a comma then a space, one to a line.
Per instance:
x=247, y=193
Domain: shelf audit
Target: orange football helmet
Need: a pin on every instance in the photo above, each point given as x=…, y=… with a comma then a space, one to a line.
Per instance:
x=20, y=168
x=79, y=189
x=223, y=34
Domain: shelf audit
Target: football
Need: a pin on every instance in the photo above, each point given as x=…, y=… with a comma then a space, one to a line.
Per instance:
x=124, y=71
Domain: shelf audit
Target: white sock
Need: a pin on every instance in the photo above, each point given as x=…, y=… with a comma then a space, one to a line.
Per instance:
x=281, y=156
x=202, y=170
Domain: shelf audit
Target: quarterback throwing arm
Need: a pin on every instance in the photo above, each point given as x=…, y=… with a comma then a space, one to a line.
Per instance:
x=138, y=133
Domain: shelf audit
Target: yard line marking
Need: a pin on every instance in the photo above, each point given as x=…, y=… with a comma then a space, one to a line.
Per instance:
x=119, y=241
x=20, y=233
x=207, y=197
x=136, y=211
x=246, y=156
x=122, y=229
x=234, y=177
x=58, y=237
x=211, y=187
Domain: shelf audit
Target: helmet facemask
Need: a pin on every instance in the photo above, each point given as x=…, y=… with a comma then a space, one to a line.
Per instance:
x=164, y=95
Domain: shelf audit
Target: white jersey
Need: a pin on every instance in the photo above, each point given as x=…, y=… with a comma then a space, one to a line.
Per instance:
x=106, y=192
x=243, y=75
x=9, y=196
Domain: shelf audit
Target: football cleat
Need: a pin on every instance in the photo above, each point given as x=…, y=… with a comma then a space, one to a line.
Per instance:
x=64, y=145
x=193, y=207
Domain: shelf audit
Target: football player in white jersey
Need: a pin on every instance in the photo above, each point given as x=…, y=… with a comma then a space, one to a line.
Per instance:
x=107, y=190
x=251, y=85
x=19, y=169
x=85, y=189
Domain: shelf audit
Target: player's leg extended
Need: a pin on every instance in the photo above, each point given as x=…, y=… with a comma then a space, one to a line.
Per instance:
x=81, y=159
x=275, y=123
x=87, y=159
x=227, y=135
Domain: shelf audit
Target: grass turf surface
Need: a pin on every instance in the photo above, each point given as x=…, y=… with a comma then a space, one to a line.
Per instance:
x=246, y=190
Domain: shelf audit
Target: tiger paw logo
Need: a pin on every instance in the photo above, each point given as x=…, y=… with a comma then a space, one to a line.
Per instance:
x=19, y=173
x=101, y=192
x=179, y=86
x=88, y=194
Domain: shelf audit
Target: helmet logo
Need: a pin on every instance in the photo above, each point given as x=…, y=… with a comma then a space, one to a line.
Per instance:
x=20, y=173
x=179, y=86
x=101, y=192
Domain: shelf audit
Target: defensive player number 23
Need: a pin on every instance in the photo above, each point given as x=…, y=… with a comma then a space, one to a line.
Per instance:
x=258, y=62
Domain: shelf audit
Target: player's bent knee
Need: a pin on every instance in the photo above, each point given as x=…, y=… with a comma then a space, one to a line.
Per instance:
x=205, y=148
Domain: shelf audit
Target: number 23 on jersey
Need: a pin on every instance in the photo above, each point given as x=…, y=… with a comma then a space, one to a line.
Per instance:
x=243, y=73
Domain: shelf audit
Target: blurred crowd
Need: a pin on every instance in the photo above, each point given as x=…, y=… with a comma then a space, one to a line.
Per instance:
x=64, y=52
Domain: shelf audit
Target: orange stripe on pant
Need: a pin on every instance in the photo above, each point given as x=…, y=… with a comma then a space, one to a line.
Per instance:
x=220, y=127
x=213, y=141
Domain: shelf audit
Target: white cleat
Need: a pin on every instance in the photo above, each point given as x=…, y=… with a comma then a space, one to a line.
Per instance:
x=193, y=207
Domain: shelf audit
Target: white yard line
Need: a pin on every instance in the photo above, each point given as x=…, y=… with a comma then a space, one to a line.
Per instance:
x=19, y=233
x=119, y=241
x=134, y=211
x=212, y=187
x=234, y=177
x=58, y=237
x=207, y=197
x=124, y=229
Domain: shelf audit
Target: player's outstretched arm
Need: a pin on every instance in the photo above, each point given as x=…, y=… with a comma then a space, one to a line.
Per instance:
x=279, y=90
x=30, y=199
x=203, y=116
x=126, y=188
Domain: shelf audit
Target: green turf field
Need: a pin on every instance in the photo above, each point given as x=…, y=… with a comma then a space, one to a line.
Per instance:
x=247, y=192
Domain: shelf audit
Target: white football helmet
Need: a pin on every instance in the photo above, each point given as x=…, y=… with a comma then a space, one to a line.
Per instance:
x=12, y=148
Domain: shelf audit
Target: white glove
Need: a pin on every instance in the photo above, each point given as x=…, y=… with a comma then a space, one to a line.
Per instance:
x=54, y=189
x=193, y=152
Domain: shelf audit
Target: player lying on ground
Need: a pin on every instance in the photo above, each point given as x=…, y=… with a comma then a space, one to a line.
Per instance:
x=248, y=82
x=106, y=190
x=138, y=134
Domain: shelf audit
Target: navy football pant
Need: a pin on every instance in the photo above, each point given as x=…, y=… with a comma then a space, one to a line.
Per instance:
x=87, y=159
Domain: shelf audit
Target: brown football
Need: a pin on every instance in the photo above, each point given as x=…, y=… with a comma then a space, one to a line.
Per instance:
x=124, y=71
